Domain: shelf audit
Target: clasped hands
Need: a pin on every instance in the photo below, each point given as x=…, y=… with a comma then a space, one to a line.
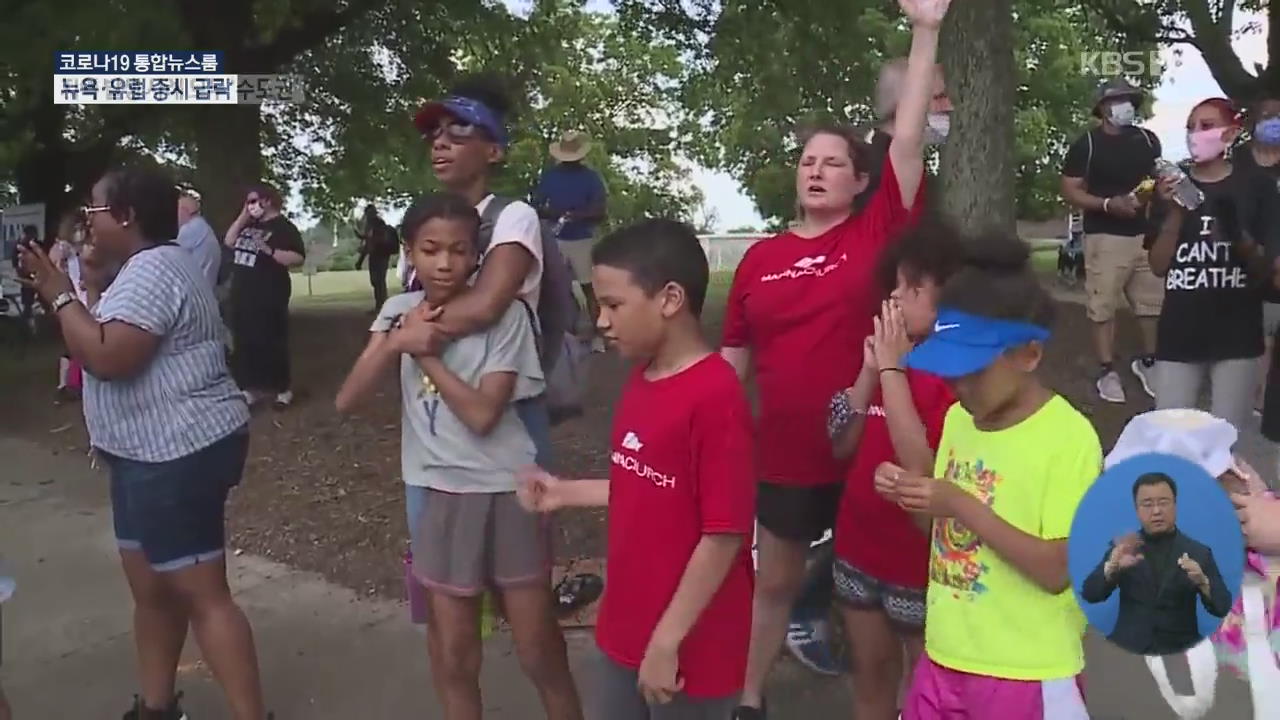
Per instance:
x=916, y=493
x=418, y=333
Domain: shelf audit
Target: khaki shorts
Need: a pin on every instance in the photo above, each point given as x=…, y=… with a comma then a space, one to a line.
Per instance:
x=467, y=543
x=1116, y=264
x=578, y=253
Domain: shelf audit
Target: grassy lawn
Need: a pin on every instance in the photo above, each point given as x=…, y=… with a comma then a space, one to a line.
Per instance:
x=350, y=288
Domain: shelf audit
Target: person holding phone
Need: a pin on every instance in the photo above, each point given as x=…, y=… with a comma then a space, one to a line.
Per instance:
x=266, y=246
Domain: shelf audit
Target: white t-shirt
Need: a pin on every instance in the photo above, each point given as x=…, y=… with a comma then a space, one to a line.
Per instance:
x=518, y=223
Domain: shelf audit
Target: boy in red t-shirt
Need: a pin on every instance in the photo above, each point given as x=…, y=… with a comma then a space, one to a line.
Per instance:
x=890, y=414
x=675, y=620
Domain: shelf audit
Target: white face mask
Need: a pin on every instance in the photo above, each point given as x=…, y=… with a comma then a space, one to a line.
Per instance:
x=937, y=128
x=1121, y=114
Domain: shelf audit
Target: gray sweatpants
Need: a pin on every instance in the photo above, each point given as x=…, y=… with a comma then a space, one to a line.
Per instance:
x=616, y=697
x=1232, y=387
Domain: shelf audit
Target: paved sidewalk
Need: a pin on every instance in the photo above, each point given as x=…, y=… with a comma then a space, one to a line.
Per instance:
x=326, y=654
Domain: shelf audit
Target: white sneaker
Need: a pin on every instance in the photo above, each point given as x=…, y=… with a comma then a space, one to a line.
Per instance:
x=1143, y=372
x=284, y=399
x=1110, y=388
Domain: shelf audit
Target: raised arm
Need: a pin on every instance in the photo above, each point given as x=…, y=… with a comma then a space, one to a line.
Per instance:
x=906, y=151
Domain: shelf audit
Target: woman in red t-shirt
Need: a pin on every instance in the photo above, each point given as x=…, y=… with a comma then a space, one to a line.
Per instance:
x=799, y=311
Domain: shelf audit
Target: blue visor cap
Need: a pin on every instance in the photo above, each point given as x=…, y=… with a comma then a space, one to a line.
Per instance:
x=962, y=344
x=465, y=109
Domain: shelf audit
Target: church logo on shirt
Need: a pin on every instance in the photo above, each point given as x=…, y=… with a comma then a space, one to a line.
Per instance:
x=954, y=561
x=816, y=266
x=635, y=466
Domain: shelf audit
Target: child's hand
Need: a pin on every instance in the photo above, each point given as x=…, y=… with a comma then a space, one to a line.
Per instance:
x=1260, y=520
x=659, y=674
x=538, y=490
x=926, y=495
x=890, y=341
x=886, y=481
x=869, y=355
x=418, y=334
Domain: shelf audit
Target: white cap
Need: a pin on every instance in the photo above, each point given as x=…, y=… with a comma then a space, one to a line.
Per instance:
x=1193, y=435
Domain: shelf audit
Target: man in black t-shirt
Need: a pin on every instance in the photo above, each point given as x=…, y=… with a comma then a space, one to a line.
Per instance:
x=264, y=246
x=888, y=90
x=1102, y=169
x=378, y=242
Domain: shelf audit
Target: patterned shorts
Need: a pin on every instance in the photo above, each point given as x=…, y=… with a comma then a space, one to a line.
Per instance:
x=904, y=606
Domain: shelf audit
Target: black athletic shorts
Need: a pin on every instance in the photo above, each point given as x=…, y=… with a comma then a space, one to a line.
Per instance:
x=798, y=514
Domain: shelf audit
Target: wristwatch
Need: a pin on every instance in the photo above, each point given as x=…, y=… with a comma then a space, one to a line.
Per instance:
x=62, y=300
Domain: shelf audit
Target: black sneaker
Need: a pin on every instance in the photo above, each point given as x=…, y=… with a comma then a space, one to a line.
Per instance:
x=744, y=712
x=139, y=711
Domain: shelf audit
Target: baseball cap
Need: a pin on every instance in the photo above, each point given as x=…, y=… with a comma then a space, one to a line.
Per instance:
x=1193, y=435
x=962, y=343
x=468, y=110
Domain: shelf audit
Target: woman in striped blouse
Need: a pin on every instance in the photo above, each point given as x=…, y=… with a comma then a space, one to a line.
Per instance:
x=172, y=427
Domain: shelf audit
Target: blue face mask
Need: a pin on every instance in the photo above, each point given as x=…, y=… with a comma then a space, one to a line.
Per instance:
x=1268, y=131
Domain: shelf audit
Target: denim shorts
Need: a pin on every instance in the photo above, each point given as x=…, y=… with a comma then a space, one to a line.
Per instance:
x=175, y=511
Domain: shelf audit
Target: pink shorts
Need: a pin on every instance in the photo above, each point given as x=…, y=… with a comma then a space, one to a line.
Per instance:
x=938, y=693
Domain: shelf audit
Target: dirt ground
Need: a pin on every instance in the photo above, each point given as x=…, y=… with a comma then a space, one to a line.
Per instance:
x=322, y=491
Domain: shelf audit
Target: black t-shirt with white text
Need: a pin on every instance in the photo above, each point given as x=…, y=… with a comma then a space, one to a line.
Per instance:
x=256, y=276
x=1119, y=163
x=1212, y=309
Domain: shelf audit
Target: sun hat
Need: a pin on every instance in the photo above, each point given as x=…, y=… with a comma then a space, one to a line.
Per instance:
x=1114, y=88
x=1193, y=435
x=572, y=146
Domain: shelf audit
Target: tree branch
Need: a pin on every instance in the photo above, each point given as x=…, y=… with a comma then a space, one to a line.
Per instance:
x=308, y=32
x=1214, y=38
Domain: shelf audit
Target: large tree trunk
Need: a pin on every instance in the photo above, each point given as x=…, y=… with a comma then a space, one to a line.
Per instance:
x=978, y=170
x=228, y=159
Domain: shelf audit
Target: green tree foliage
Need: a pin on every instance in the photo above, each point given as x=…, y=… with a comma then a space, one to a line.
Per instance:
x=365, y=66
x=761, y=69
x=565, y=68
x=1206, y=26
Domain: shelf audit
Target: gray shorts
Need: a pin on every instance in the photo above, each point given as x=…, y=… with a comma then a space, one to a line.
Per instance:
x=616, y=697
x=904, y=606
x=468, y=543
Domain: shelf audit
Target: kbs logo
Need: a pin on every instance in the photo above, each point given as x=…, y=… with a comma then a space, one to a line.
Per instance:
x=806, y=267
x=1115, y=62
x=633, y=465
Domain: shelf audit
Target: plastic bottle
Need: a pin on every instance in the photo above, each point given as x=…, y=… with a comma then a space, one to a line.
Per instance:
x=1185, y=192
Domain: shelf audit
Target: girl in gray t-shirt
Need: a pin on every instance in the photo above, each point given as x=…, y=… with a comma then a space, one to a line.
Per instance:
x=462, y=444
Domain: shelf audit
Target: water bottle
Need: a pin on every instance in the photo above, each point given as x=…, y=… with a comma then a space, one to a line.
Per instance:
x=555, y=229
x=1185, y=191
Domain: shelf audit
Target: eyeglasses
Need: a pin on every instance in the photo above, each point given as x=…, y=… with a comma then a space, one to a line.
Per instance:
x=87, y=211
x=457, y=131
x=1163, y=504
